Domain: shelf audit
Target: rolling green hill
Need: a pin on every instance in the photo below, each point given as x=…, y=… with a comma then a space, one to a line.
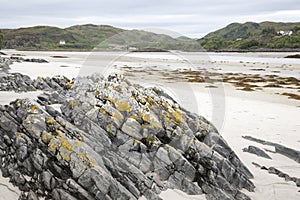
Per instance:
x=89, y=36
x=251, y=36
x=246, y=37
x=82, y=37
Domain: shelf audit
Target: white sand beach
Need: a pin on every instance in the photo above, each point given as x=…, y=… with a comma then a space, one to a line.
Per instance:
x=264, y=114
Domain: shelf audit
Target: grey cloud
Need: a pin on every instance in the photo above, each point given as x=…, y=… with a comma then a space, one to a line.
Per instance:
x=189, y=17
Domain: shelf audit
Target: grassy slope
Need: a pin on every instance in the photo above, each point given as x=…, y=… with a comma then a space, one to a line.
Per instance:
x=89, y=36
x=253, y=36
x=47, y=38
x=86, y=37
x=247, y=36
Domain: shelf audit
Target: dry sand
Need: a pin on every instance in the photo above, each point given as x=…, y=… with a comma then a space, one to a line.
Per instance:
x=266, y=120
x=7, y=190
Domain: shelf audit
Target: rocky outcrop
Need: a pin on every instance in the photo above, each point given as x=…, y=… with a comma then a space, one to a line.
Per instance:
x=115, y=140
x=273, y=170
x=286, y=151
x=257, y=151
x=293, y=56
x=21, y=59
x=4, y=65
x=23, y=83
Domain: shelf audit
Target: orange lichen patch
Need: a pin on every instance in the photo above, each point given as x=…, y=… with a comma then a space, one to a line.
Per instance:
x=123, y=106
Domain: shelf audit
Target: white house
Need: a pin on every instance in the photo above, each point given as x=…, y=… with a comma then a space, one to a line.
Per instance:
x=283, y=33
x=62, y=42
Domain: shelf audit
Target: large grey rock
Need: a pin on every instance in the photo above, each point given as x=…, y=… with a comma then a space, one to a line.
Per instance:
x=113, y=140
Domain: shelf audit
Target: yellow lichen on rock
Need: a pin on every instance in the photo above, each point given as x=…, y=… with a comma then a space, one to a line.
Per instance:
x=114, y=100
x=70, y=84
x=34, y=107
x=60, y=134
x=145, y=117
x=124, y=106
x=65, y=155
x=79, y=143
x=104, y=112
x=53, y=144
x=151, y=101
x=86, y=159
x=47, y=137
x=91, y=163
x=178, y=116
x=67, y=145
x=50, y=121
x=134, y=117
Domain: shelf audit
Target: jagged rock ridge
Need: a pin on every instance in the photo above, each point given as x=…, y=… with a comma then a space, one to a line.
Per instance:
x=115, y=140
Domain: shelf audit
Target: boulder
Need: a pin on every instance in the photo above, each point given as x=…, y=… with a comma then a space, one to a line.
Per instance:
x=257, y=151
x=114, y=140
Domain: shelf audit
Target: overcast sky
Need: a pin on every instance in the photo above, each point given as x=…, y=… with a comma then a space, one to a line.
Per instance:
x=193, y=18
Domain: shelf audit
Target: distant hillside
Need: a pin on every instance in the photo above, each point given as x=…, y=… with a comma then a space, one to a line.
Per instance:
x=53, y=38
x=247, y=36
x=139, y=40
x=89, y=36
x=235, y=36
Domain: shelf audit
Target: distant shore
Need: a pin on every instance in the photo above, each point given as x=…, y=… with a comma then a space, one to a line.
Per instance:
x=254, y=50
x=204, y=50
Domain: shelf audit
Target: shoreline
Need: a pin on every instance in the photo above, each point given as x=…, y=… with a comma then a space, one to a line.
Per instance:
x=204, y=50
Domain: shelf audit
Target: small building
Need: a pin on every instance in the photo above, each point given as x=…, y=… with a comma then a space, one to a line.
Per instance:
x=284, y=33
x=62, y=42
